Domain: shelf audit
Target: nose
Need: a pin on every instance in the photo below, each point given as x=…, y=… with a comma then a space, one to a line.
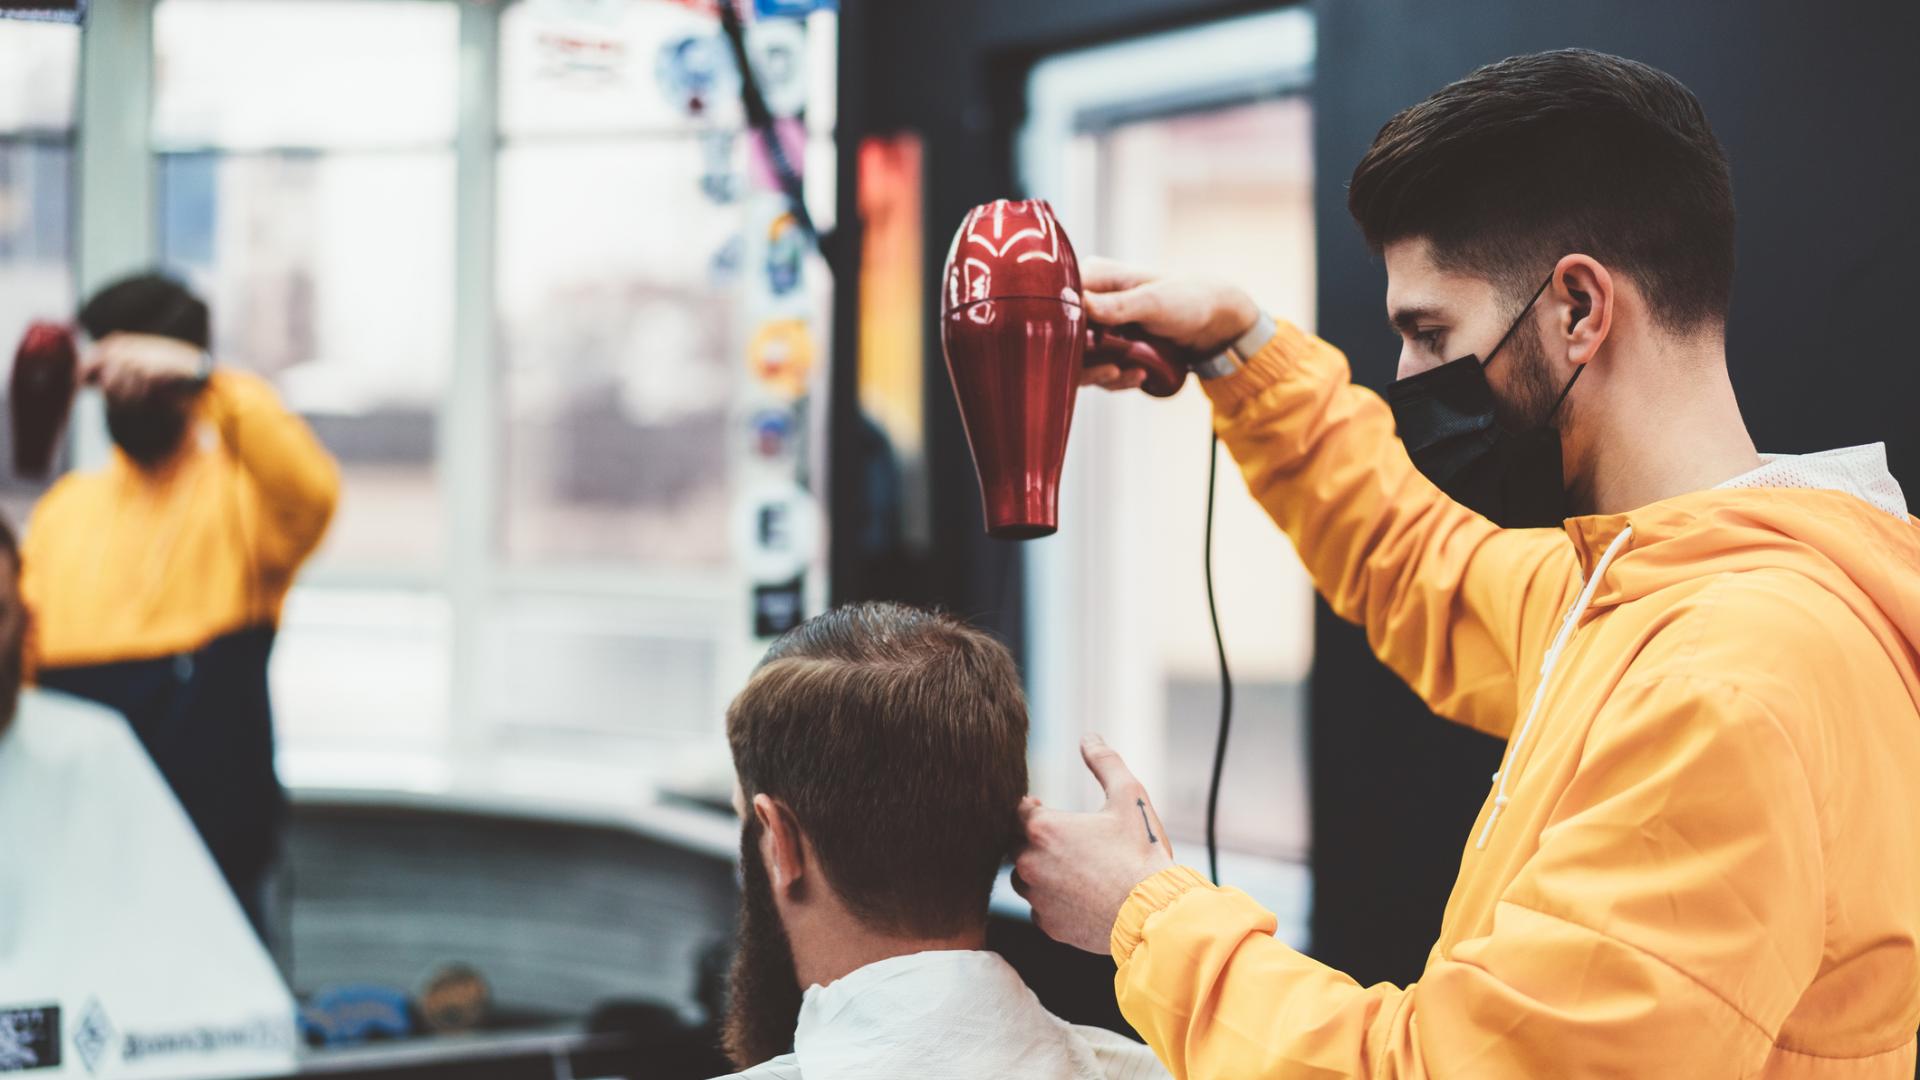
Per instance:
x=1413, y=362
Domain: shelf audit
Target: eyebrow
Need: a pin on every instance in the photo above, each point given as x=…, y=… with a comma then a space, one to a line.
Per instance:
x=1405, y=320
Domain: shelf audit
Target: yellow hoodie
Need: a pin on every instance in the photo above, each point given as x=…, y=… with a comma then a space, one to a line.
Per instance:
x=125, y=564
x=1701, y=855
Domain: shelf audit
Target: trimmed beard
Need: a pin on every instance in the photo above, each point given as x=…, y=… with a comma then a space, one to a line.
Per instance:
x=763, y=991
x=1534, y=391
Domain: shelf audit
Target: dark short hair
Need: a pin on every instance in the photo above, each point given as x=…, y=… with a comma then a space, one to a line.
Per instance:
x=148, y=304
x=1554, y=153
x=898, y=739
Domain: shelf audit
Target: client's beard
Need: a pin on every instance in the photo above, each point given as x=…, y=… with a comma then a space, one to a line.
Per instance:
x=763, y=992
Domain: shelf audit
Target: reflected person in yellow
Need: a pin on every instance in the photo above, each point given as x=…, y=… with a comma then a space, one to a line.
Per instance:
x=156, y=582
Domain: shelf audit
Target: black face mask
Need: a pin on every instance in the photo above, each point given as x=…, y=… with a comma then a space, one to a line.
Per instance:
x=1448, y=417
x=149, y=430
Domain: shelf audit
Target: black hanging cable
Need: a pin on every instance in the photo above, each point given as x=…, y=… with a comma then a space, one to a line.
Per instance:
x=760, y=119
x=1226, y=680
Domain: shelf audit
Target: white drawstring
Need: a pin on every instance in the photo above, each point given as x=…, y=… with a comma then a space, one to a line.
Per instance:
x=1546, y=673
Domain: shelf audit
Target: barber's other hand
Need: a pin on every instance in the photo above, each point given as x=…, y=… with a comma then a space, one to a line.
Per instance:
x=1077, y=869
x=1197, y=313
x=133, y=365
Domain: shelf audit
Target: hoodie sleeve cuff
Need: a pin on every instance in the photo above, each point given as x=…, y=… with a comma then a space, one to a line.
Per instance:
x=1149, y=898
x=1286, y=350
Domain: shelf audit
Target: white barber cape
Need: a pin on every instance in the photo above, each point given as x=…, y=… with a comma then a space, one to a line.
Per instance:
x=122, y=952
x=945, y=1016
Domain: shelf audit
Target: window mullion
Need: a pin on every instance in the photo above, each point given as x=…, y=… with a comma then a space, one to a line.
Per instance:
x=467, y=459
x=114, y=174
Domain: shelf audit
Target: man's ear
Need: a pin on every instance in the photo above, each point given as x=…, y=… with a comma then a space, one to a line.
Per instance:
x=783, y=848
x=1583, y=297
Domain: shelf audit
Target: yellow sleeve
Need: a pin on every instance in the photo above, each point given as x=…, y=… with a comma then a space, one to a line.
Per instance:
x=1446, y=597
x=1666, y=926
x=295, y=480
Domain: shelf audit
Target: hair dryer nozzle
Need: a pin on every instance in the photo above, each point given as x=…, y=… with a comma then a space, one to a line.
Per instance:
x=1015, y=366
x=46, y=373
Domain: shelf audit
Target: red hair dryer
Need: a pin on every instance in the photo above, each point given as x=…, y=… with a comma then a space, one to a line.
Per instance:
x=46, y=373
x=1016, y=336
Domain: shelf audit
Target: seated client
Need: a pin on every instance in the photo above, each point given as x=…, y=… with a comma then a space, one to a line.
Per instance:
x=881, y=754
x=112, y=911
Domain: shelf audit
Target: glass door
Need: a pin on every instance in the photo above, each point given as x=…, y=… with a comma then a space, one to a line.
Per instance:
x=1158, y=160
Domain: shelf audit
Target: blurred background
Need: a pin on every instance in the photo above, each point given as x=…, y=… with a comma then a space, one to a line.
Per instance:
x=536, y=281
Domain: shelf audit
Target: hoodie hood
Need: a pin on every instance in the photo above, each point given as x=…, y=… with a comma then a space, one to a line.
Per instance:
x=1860, y=471
x=936, y=1015
x=1836, y=518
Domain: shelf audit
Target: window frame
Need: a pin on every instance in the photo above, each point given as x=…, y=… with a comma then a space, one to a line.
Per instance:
x=116, y=208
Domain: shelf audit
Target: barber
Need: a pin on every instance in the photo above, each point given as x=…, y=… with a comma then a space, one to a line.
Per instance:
x=157, y=581
x=1701, y=854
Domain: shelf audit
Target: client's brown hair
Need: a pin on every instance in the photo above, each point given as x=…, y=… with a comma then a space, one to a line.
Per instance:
x=898, y=739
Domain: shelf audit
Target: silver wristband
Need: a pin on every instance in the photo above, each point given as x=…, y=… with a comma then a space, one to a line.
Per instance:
x=1234, y=356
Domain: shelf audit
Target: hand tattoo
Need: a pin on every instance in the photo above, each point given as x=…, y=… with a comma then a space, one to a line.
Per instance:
x=1144, y=820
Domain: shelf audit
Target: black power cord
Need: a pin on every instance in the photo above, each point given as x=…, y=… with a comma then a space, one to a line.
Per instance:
x=1226, y=679
x=760, y=119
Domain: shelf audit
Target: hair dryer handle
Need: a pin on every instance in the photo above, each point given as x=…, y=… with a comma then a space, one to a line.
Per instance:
x=1131, y=347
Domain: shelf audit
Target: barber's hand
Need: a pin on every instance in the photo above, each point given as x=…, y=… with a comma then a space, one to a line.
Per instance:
x=1198, y=313
x=134, y=365
x=1077, y=869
